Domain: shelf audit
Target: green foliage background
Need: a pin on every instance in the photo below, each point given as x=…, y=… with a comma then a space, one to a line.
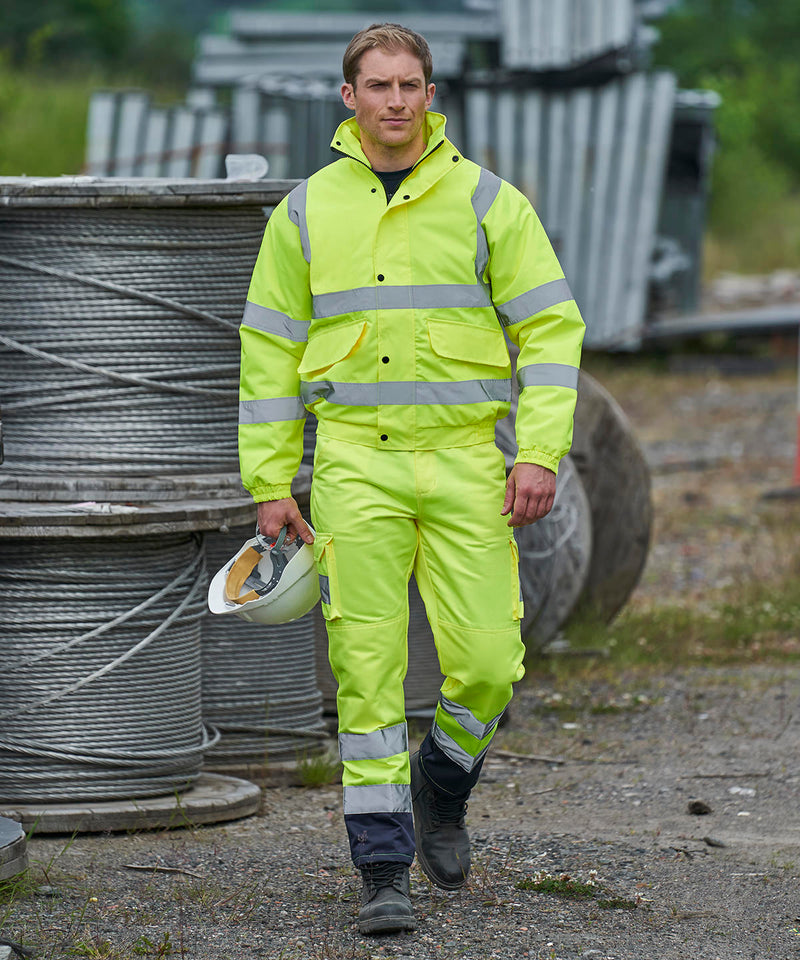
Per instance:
x=54, y=53
x=748, y=52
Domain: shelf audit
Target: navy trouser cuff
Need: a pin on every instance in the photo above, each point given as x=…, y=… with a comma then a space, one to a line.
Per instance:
x=380, y=836
x=443, y=773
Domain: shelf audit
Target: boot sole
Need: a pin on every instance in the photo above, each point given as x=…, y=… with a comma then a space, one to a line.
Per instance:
x=387, y=925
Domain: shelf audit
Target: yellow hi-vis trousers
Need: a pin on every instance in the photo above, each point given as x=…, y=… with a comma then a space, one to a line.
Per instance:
x=379, y=515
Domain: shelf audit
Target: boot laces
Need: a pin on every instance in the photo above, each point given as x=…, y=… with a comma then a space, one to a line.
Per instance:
x=447, y=809
x=383, y=874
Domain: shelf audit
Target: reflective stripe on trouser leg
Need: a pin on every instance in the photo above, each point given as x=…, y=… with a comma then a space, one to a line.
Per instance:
x=380, y=514
x=373, y=542
x=377, y=814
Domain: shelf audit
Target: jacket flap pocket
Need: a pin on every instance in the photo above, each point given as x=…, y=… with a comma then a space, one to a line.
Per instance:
x=465, y=341
x=331, y=345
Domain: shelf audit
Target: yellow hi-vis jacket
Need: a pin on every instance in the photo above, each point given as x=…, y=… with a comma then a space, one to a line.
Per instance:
x=387, y=320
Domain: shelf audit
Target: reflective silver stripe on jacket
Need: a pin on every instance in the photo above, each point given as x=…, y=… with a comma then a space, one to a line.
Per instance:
x=455, y=752
x=533, y=302
x=467, y=720
x=548, y=375
x=482, y=199
x=374, y=746
x=273, y=321
x=296, y=208
x=406, y=392
x=380, y=798
x=430, y=296
x=269, y=411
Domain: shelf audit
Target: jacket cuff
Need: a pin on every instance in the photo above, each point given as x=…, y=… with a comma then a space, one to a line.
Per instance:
x=271, y=491
x=534, y=455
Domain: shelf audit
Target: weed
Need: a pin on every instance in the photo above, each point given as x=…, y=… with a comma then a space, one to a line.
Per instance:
x=561, y=886
x=145, y=947
x=318, y=769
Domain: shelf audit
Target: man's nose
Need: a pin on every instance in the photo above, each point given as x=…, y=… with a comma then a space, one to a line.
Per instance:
x=395, y=97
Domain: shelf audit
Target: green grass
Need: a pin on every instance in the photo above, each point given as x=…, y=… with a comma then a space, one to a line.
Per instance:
x=755, y=621
x=43, y=117
x=318, y=769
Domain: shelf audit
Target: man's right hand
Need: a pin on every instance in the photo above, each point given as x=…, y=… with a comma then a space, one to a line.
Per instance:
x=275, y=514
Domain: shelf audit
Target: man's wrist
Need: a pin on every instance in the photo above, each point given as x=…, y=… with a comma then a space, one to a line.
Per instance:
x=539, y=457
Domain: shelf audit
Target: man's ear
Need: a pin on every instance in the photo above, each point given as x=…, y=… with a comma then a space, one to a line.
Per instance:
x=429, y=94
x=348, y=96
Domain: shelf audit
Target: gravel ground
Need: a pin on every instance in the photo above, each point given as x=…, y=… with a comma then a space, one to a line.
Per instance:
x=591, y=780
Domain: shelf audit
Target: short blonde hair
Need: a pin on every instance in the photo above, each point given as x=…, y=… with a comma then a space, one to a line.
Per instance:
x=386, y=36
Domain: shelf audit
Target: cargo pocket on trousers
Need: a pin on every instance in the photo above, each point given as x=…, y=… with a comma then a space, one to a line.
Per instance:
x=325, y=559
x=517, y=605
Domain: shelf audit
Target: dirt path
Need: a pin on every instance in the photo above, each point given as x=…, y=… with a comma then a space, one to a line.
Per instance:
x=627, y=753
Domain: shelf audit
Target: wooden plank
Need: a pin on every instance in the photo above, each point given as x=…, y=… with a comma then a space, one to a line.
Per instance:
x=133, y=108
x=579, y=106
x=556, y=140
x=183, y=122
x=211, y=144
x=100, y=131
x=595, y=254
x=505, y=111
x=254, y=23
x=653, y=148
x=531, y=146
x=621, y=222
x=246, y=120
x=154, y=144
x=478, y=127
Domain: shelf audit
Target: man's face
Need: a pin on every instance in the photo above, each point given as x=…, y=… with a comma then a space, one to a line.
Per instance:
x=390, y=98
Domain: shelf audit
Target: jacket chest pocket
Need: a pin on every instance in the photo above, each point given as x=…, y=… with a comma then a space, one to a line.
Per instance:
x=331, y=346
x=468, y=343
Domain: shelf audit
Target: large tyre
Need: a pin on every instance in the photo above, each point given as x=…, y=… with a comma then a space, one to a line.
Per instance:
x=616, y=478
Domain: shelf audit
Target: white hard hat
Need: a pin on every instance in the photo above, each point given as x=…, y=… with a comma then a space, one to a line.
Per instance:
x=267, y=582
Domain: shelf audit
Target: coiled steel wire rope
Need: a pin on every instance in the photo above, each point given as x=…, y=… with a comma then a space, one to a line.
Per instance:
x=118, y=337
x=100, y=686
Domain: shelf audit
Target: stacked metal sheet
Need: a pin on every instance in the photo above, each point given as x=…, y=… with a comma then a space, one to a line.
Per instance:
x=592, y=162
x=542, y=35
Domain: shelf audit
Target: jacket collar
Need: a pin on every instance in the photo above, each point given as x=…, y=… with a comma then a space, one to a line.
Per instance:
x=347, y=139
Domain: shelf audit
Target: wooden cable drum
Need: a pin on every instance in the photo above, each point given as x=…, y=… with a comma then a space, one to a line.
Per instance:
x=100, y=665
x=13, y=856
x=616, y=478
x=120, y=302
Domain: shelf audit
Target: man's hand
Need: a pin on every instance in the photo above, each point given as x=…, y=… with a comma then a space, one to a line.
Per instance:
x=530, y=490
x=274, y=514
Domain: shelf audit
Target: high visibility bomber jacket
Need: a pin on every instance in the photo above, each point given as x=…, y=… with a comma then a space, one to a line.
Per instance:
x=387, y=320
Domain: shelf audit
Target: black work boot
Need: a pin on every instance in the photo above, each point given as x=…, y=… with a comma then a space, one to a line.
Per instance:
x=440, y=832
x=385, y=899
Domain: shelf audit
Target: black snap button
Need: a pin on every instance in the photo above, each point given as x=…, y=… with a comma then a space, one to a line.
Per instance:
x=374, y=190
x=385, y=359
x=384, y=436
x=339, y=143
x=381, y=277
x=406, y=196
x=455, y=159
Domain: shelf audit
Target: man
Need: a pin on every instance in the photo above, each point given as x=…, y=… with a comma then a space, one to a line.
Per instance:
x=379, y=300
